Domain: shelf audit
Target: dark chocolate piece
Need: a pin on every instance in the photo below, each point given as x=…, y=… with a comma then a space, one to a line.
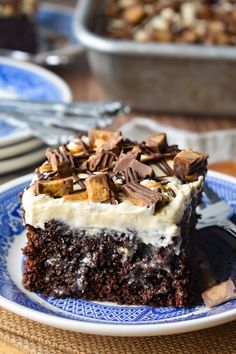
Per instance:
x=125, y=159
x=143, y=196
x=101, y=161
x=137, y=171
x=61, y=161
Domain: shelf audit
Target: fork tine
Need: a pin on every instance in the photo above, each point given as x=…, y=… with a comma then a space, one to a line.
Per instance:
x=51, y=135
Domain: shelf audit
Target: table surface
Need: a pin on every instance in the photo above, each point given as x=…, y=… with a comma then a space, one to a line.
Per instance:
x=85, y=87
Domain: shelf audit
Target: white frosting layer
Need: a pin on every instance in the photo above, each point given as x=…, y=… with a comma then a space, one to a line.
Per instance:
x=150, y=226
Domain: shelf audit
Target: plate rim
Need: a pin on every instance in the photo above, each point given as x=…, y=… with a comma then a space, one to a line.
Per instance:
x=8, y=151
x=63, y=87
x=137, y=330
x=26, y=159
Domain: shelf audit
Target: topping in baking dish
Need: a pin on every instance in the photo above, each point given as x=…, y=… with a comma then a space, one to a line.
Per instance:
x=179, y=21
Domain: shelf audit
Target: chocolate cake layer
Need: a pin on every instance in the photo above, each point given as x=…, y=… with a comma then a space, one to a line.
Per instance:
x=109, y=266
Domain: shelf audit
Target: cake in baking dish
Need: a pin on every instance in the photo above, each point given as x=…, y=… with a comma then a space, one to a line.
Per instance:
x=110, y=219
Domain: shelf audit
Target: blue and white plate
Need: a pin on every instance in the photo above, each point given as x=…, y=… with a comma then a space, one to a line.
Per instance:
x=56, y=41
x=59, y=19
x=27, y=81
x=90, y=316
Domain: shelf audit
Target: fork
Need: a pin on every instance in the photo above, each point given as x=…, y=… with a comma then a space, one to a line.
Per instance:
x=57, y=123
x=215, y=211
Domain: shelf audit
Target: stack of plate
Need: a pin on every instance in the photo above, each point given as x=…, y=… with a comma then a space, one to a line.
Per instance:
x=18, y=149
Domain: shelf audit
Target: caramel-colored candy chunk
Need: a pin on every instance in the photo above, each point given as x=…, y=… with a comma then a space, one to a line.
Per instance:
x=100, y=188
x=219, y=293
x=74, y=148
x=79, y=195
x=158, y=142
x=101, y=134
x=152, y=184
x=188, y=162
x=45, y=168
x=54, y=188
x=134, y=14
x=99, y=138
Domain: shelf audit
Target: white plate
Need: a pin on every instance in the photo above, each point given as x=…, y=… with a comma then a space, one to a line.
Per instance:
x=20, y=148
x=22, y=161
x=90, y=316
x=27, y=81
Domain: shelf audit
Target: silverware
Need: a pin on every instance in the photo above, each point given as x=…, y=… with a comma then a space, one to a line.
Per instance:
x=215, y=211
x=75, y=109
x=57, y=123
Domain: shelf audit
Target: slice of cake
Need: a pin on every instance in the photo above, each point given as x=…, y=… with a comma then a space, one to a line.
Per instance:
x=110, y=219
x=17, y=25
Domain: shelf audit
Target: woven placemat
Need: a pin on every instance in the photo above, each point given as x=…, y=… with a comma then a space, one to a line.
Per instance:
x=34, y=338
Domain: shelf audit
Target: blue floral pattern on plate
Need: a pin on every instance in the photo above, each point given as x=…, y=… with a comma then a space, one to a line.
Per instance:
x=90, y=311
x=25, y=84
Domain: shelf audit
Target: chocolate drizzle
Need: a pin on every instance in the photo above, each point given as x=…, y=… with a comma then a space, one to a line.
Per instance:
x=163, y=165
x=137, y=171
x=101, y=161
x=45, y=175
x=78, y=181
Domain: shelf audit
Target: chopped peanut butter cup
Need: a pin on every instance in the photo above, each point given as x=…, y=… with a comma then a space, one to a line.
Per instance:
x=219, y=293
x=54, y=188
x=61, y=161
x=100, y=188
x=190, y=163
x=157, y=142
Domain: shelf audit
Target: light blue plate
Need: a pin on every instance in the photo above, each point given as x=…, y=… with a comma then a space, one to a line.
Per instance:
x=89, y=316
x=27, y=81
x=58, y=19
x=57, y=44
